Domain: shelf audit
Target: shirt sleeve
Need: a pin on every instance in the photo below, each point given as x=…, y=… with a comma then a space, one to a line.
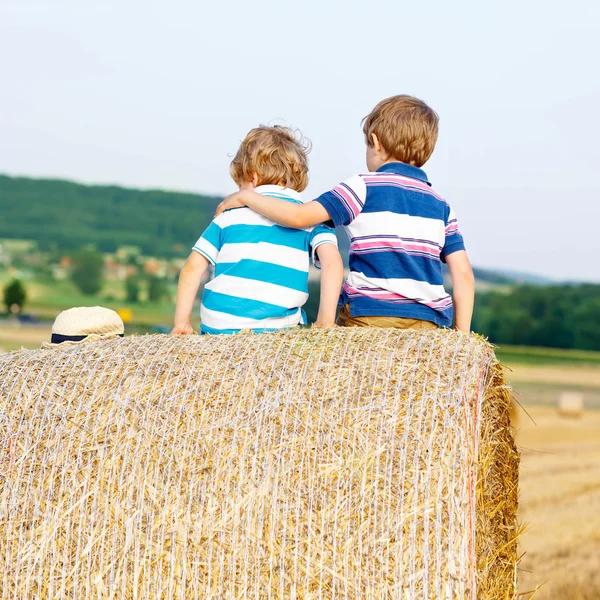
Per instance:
x=345, y=201
x=210, y=242
x=321, y=234
x=453, y=238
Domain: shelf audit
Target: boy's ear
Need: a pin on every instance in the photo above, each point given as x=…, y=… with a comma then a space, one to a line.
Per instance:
x=376, y=144
x=378, y=148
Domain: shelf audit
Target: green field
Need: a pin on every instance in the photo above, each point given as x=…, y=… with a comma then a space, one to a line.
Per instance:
x=47, y=299
x=546, y=356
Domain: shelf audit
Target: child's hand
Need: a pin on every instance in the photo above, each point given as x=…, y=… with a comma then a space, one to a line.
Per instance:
x=324, y=324
x=184, y=329
x=232, y=201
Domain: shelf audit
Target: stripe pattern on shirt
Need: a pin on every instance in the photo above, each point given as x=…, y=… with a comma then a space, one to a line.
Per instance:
x=261, y=269
x=400, y=232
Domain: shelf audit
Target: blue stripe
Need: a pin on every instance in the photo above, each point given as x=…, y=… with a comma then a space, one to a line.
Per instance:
x=282, y=197
x=266, y=272
x=454, y=243
x=368, y=307
x=213, y=235
x=337, y=210
x=404, y=202
x=397, y=265
x=271, y=234
x=400, y=168
x=242, y=307
x=212, y=331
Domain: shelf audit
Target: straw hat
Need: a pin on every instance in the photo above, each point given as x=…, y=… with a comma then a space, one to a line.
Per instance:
x=87, y=323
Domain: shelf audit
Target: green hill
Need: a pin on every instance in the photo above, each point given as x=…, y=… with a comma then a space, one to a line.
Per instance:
x=66, y=215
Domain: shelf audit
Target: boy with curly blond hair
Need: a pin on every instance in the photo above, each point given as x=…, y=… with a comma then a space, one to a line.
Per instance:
x=261, y=268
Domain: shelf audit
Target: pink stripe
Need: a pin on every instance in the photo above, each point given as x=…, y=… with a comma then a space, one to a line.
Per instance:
x=354, y=206
x=393, y=244
x=366, y=245
x=417, y=248
x=430, y=251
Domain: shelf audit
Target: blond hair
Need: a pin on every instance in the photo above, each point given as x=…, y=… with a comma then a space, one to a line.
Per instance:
x=277, y=155
x=406, y=128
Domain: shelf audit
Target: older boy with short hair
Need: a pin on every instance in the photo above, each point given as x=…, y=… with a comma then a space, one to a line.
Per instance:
x=400, y=230
x=261, y=268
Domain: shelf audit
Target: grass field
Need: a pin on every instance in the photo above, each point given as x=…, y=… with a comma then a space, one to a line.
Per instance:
x=48, y=299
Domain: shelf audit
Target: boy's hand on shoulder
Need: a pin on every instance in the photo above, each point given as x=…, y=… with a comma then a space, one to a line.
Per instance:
x=184, y=329
x=234, y=200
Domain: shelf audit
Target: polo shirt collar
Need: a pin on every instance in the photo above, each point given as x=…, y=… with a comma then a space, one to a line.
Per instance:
x=400, y=168
x=278, y=189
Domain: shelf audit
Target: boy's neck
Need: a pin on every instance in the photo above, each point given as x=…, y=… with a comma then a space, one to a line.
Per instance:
x=392, y=161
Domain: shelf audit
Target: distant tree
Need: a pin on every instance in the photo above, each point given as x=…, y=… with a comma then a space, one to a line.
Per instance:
x=586, y=325
x=557, y=316
x=157, y=288
x=14, y=295
x=88, y=271
x=132, y=289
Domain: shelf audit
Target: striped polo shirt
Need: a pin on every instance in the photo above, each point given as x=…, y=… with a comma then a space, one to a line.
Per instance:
x=400, y=232
x=261, y=269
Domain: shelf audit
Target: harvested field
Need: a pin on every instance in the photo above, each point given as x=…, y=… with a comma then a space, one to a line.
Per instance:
x=348, y=463
x=13, y=337
x=560, y=505
x=562, y=375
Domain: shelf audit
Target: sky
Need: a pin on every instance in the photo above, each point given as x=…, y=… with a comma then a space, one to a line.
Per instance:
x=160, y=94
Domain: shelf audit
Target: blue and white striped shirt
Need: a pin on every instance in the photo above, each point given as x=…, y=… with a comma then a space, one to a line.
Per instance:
x=400, y=232
x=261, y=269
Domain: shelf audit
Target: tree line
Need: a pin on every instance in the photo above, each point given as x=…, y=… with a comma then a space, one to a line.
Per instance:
x=64, y=216
x=556, y=316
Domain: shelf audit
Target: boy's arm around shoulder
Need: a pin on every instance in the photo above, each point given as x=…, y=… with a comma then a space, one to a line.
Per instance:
x=332, y=277
x=341, y=205
x=463, y=289
x=289, y=214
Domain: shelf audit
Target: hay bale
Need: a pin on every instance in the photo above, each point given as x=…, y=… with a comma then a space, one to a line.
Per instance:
x=345, y=463
x=570, y=405
x=514, y=413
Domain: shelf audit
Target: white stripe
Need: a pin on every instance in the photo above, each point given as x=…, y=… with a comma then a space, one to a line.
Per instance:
x=251, y=289
x=415, y=227
x=277, y=189
x=323, y=238
x=319, y=240
x=265, y=252
x=357, y=184
x=410, y=288
x=246, y=216
x=220, y=320
x=207, y=249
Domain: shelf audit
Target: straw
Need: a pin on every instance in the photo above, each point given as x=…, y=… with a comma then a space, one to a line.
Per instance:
x=346, y=463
